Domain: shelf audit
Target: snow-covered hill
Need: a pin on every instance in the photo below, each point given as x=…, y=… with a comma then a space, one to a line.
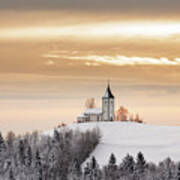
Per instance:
x=120, y=138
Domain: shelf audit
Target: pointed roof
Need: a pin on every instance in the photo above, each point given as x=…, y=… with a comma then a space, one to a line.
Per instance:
x=108, y=93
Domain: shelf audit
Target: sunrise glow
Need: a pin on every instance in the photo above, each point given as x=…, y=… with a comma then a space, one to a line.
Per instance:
x=95, y=30
x=55, y=54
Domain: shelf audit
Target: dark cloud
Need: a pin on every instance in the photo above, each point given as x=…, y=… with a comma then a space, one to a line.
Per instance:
x=97, y=5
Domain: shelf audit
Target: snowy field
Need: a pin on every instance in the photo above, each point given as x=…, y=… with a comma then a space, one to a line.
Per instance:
x=120, y=138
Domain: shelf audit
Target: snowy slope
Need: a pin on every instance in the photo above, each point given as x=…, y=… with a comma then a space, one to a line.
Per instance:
x=120, y=138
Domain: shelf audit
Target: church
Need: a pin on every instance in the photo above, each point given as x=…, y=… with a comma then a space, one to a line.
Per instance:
x=106, y=113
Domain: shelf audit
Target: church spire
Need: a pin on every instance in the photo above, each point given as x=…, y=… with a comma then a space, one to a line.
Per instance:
x=108, y=93
x=108, y=105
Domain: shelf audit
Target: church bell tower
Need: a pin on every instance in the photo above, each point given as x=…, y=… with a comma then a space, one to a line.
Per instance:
x=108, y=105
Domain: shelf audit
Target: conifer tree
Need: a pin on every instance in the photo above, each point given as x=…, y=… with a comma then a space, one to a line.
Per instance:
x=87, y=172
x=111, y=168
x=10, y=138
x=75, y=171
x=11, y=175
x=28, y=156
x=2, y=144
x=93, y=163
x=21, y=151
x=56, y=135
x=128, y=165
x=140, y=164
x=178, y=172
x=112, y=160
x=38, y=166
x=37, y=160
x=3, y=152
x=95, y=173
x=168, y=166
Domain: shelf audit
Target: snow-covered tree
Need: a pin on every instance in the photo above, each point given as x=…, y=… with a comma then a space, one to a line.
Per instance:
x=87, y=172
x=177, y=177
x=2, y=144
x=11, y=175
x=28, y=156
x=75, y=171
x=95, y=173
x=128, y=165
x=140, y=163
x=21, y=152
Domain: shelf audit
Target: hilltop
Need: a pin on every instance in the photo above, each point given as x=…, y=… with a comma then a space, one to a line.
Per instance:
x=120, y=138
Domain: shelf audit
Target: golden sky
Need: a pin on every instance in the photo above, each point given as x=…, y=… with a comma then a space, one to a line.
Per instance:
x=55, y=54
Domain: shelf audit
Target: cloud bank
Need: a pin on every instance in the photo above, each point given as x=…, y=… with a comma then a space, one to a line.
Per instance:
x=131, y=6
x=117, y=60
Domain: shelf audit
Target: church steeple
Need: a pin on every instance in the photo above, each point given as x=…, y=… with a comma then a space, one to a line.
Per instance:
x=108, y=93
x=108, y=104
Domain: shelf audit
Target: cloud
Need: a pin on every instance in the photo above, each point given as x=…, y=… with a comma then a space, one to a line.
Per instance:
x=92, y=64
x=97, y=5
x=50, y=63
x=95, y=30
x=117, y=60
x=177, y=60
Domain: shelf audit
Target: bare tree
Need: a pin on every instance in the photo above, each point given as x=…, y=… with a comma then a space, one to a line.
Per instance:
x=90, y=103
x=122, y=114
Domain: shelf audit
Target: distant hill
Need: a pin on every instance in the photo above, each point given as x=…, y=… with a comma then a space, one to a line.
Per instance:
x=120, y=138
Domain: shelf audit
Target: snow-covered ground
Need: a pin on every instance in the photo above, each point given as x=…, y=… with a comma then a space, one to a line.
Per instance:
x=120, y=138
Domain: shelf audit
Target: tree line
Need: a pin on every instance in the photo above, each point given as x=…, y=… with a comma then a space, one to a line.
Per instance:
x=39, y=157
x=60, y=157
x=129, y=169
